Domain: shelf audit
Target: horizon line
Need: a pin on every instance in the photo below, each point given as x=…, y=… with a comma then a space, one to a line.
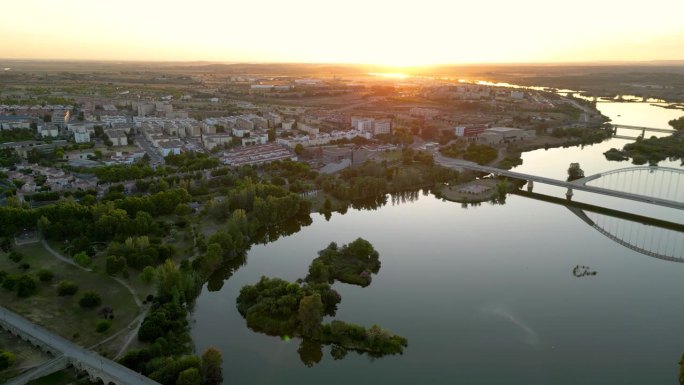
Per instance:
x=257, y=62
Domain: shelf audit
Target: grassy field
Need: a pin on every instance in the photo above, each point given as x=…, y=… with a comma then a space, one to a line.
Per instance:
x=63, y=315
x=390, y=155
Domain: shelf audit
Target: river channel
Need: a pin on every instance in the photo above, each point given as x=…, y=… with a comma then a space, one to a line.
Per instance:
x=484, y=294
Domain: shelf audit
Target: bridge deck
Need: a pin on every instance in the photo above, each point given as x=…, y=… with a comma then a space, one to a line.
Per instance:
x=74, y=353
x=628, y=127
x=457, y=163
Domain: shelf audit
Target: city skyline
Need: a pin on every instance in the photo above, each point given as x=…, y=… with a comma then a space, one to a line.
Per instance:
x=432, y=33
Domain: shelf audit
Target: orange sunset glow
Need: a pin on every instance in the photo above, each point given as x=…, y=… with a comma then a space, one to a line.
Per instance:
x=375, y=32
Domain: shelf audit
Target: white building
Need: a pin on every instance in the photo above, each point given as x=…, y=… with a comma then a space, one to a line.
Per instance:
x=308, y=129
x=288, y=125
x=170, y=147
x=48, y=131
x=211, y=141
x=60, y=118
x=117, y=137
x=382, y=127
x=255, y=140
x=517, y=95
x=81, y=134
x=424, y=112
x=496, y=135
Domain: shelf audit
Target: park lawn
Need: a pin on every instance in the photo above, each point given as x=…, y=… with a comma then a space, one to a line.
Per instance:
x=390, y=155
x=63, y=315
x=27, y=356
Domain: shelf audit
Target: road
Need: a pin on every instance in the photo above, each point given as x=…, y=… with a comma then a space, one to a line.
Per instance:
x=155, y=156
x=119, y=373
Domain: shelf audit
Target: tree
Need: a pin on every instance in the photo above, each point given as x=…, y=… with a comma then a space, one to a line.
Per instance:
x=26, y=286
x=18, y=183
x=66, y=288
x=7, y=359
x=5, y=245
x=148, y=274
x=114, y=264
x=299, y=149
x=575, y=172
x=90, y=300
x=15, y=256
x=677, y=124
x=182, y=209
x=103, y=326
x=310, y=352
x=213, y=257
x=45, y=275
x=211, y=366
x=82, y=259
x=189, y=376
x=311, y=315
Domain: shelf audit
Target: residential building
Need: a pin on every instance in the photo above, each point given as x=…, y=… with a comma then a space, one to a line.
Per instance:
x=81, y=135
x=48, y=130
x=117, y=137
x=471, y=130
x=382, y=127
x=257, y=154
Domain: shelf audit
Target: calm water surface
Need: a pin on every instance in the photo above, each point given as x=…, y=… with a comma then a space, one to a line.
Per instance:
x=485, y=295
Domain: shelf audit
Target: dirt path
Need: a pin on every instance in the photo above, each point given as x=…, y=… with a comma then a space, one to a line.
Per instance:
x=132, y=334
x=71, y=262
x=137, y=321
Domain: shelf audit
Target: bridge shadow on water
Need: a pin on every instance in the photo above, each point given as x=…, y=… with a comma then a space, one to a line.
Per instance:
x=649, y=236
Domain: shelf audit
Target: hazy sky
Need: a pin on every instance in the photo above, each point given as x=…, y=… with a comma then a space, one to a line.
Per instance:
x=397, y=32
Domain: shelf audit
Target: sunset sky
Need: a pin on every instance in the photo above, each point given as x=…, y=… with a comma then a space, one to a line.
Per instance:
x=396, y=33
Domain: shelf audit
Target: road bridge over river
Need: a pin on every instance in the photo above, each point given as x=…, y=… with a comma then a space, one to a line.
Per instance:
x=580, y=184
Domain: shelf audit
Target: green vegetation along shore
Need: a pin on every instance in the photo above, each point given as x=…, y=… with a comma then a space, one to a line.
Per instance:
x=296, y=309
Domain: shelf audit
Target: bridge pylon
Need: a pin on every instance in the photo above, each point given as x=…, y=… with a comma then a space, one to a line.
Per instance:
x=569, y=194
x=530, y=185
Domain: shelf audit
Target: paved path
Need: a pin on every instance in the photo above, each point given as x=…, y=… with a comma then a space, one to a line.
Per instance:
x=119, y=373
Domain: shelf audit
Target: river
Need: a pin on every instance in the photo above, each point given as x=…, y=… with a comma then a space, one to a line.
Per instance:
x=484, y=294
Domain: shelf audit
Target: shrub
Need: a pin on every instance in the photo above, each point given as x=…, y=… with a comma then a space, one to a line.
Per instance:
x=45, y=275
x=5, y=244
x=115, y=264
x=66, y=288
x=106, y=312
x=26, y=286
x=89, y=300
x=147, y=274
x=15, y=256
x=82, y=259
x=103, y=326
x=6, y=359
x=10, y=282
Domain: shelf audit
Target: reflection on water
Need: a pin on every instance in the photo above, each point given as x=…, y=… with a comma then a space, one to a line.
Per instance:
x=639, y=114
x=478, y=288
x=647, y=240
